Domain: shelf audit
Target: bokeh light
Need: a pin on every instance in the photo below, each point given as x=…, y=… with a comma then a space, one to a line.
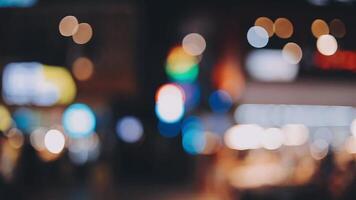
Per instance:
x=265, y=23
x=229, y=77
x=337, y=28
x=319, y=27
x=319, y=149
x=54, y=141
x=79, y=120
x=350, y=145
x=268, y=65
x=194, y=44
x=129, y=129
x=83, y=34
x=5, y=119
x=37, y=138
x=15, y=137
x=220, y=101
x=327, y=45
x=283, y=28
x=170, y=103
x=193, y=141
x=257, y=37
x=26, y=120
x=295, y=134
x=243, y=137
x=192, y=95
x=68, y=26
x=353, y=127
x=83, y=68
x=83, y=150
x=182, y=67
x=272, y=138
x=292, y=53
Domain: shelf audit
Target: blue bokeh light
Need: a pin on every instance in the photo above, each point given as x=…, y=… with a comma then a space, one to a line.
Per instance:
x=79, y=120
x=220, y=101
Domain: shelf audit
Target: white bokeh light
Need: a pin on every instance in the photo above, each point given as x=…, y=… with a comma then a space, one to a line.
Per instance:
x=54, y=141
x=257, y=37
x=327, y=45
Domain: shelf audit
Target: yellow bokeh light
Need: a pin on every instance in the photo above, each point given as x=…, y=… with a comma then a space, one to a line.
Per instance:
x=83, y=68
x=319, y=27
x=5, y=118
x=265, y=23
x=84, y=33
x=62, y=79
x=68, y=26
x=283, y=28
x=292, y=53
